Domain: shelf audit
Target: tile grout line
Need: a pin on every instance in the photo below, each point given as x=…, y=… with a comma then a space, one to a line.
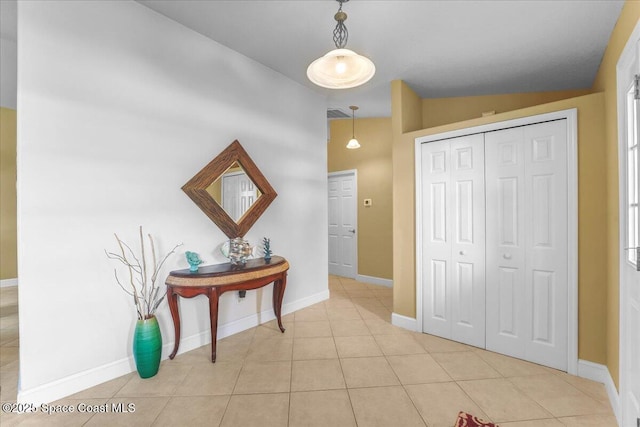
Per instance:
x=386, y=357
x=165, y=405
x=374, y=316
x=291, y=376
x=580, y=392
x=463, y=390
x=346, y=386
x=235, y=384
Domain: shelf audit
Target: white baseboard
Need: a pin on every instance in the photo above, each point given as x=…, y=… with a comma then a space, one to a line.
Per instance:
x=600, y=373
x=403, y=321
x=7, y=283
x=67, y=386
x=75, y=383
x=305, y=302
x=374, y=280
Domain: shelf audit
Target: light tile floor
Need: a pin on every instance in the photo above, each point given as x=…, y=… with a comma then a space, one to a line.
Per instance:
x=340, y=363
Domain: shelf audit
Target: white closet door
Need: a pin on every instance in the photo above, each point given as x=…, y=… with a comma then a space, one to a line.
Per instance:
x=453, y=239
x=468, y=240
x=547, y=252
x=436, y=183
x=506, y=320
x=527, y=242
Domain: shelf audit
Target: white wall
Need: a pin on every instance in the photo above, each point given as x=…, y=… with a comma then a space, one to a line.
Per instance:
x=8, y=53
x=119, y=107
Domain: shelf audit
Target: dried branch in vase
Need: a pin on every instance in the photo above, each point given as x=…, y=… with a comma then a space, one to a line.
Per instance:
x=142, y=287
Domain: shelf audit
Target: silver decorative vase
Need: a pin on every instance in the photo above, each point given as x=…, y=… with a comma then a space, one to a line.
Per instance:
x=239, y=251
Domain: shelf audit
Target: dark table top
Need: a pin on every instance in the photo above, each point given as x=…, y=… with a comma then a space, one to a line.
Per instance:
x=226, y=268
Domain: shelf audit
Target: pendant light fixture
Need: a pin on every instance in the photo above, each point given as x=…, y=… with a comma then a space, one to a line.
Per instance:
x=353, y=142
x=341, y=68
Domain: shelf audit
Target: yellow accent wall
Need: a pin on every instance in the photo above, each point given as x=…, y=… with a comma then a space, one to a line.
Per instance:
x=598, y=304
x=605, y=82
x=373, y=163
x=215, y=191
x=406, y=116
x=591, y=211
x=442, y=111
x=8, y=228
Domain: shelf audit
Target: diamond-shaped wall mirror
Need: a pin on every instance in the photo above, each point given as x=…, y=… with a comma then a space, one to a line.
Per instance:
x=231, y=191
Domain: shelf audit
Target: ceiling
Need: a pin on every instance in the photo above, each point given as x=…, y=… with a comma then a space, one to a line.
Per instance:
x=440, y=48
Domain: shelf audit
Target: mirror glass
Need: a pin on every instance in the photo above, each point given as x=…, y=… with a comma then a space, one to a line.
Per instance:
x=234, y=191
x=231, y=191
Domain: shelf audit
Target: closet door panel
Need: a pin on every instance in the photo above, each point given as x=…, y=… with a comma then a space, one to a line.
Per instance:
x=453, y=239
x=494, y=238
x=468, y=240
x=439, y=292
x=546, y=253
x=526, y=243
x=507, y=286
x=505, y=249
x=436, y=260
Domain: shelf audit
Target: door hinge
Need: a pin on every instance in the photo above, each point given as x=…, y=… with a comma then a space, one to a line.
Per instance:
x=636, y=88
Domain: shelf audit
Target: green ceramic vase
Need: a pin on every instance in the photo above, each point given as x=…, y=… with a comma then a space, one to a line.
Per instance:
x=147, y=347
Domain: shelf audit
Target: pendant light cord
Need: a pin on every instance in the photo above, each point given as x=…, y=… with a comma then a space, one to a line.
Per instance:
x=353, y=120
x=353, y=124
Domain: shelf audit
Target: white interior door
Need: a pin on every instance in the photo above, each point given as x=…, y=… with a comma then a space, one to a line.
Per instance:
x=505, y=269
x=468, y=240
x=238, y=194
x=629, y=183
x=248, y=193
x=453, y=239
x=436, y=239
x=343, y=244
x=527, y=252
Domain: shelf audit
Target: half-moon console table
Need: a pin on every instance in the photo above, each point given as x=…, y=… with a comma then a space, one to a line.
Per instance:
x=214, y=280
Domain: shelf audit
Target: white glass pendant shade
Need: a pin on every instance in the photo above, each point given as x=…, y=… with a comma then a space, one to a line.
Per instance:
x=341, y=69
x=353, y=144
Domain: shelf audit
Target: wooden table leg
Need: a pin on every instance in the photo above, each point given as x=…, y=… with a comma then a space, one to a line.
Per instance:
x=213, y=314
x=172, y=299
x=278, y=294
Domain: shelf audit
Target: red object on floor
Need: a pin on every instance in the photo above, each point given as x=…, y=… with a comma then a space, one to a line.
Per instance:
x=468, y=420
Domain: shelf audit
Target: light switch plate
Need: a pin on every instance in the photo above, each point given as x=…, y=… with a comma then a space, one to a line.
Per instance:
x=367, y=202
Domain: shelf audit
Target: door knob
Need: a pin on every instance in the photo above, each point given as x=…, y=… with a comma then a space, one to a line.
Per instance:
x=352, y=231
x=461, y=252
x=506, y=256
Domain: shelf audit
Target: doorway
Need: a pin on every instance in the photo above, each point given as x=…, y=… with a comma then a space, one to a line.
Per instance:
x=343, y=223
x=628, y=94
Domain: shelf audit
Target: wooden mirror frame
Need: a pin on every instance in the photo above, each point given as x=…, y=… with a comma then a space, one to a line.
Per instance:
x=196, y=189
